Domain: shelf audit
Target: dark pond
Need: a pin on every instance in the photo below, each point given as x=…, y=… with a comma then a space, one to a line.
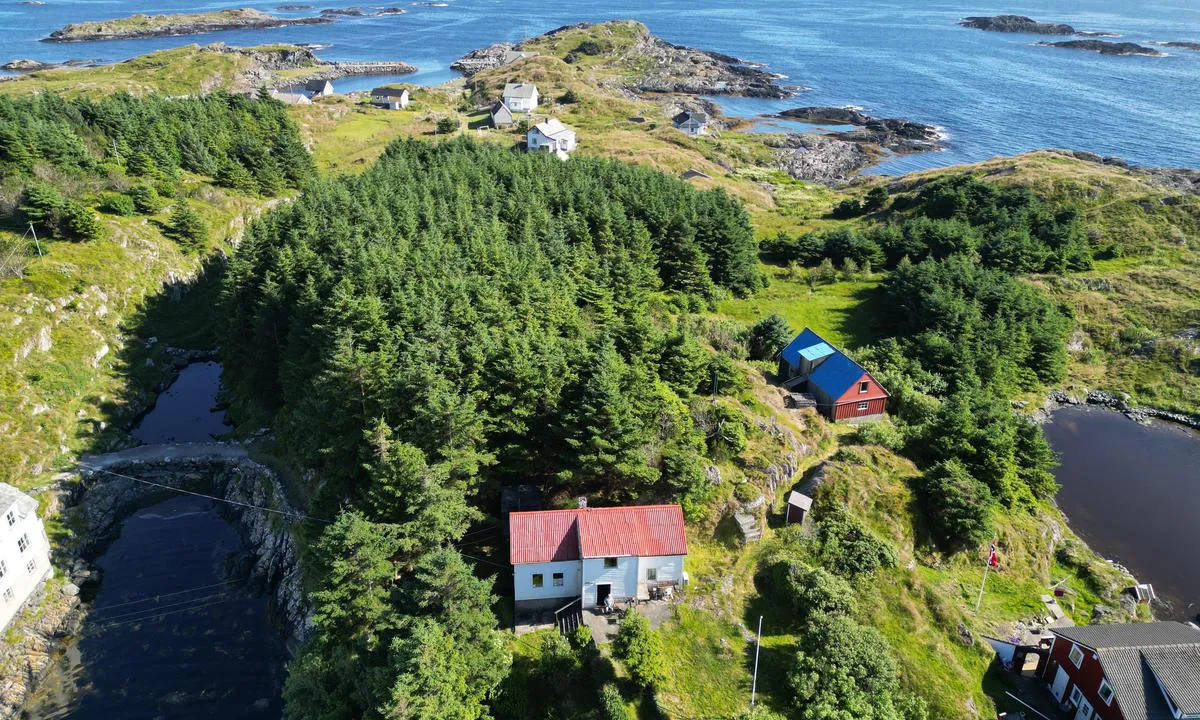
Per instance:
x=186, y=411
x=1133, y=493
x=174, y=630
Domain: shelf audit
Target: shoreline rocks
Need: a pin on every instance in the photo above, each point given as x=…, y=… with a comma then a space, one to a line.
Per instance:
x=667, y=68
x=1181, y=180
x=1105, y=48
x=895, y=134
x=145, y=26
x=1120, y=403
x=1179, y=45
x=1015, y=24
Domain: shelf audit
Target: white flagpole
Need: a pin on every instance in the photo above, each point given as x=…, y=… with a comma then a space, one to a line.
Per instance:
x=979, y=601
x=757, y=646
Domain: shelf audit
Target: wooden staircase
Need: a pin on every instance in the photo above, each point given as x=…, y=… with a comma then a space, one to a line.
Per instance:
x=569, y=617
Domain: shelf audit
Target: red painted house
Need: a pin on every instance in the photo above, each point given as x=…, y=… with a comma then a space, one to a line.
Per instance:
x=1139, y=671
x=840, y=387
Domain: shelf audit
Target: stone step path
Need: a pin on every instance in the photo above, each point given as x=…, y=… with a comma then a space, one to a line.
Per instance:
x=750, y=528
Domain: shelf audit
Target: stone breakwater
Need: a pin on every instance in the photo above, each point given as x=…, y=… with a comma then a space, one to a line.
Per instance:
x=1120, y=403
x=100, y=502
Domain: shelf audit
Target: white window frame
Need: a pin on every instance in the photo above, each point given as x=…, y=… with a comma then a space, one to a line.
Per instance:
x=652, y=574
x=9, y=595
x=1076, y=695
x=863, y=406
x=863, y=387
x=31, y=565
x=1111, y=692
x=11, y=517
x=3, y=568
x=611, y=562
x=1075, y=650
x=557, y=579
x=23, y=542
x=537, y=580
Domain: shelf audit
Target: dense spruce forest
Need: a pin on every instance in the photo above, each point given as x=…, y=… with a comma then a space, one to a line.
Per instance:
x=62, y=159
x=459, y=315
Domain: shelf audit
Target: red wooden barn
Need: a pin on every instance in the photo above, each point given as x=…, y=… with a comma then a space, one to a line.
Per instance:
x=840, y=387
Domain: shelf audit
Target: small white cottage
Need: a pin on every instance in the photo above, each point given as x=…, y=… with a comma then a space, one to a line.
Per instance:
x=318, y=88
x=24, y=551
x=594, y=554
x=692, y=122
x=389, y=98
x=521, y=97
x=550, y=136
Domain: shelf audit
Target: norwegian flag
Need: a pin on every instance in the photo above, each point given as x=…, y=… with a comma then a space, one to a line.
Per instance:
x=993, y=559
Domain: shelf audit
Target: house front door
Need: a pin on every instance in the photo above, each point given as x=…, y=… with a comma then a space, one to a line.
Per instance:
x=1085, y=710
x=1059, y=688
x=603, y=590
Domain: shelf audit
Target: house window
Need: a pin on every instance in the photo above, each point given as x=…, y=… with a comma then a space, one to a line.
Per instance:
x=864, y=386
x=610, y=562
x=3, y=569
x=651, y=573
x=1076, y=695
x=8, y=595
x=862, y=406
x=1106, y=692
x=31, y=566
x=557, y=578
x=1076, y=656
x=538, y=580
x=11, y=517
x=23, y=542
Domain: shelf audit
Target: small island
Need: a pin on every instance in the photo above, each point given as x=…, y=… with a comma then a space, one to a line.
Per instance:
x=143, y=26
x=1105, y=48
x=1016, y=24
x=1180, y=45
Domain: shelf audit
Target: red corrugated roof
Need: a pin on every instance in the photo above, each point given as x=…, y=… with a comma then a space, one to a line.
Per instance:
x=556, y=535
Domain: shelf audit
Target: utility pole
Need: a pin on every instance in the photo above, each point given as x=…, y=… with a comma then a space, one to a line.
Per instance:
x=757, y=647
x=35, y=240
x=979, y=601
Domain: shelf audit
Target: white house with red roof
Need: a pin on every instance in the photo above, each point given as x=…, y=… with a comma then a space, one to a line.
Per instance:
x=595, y=553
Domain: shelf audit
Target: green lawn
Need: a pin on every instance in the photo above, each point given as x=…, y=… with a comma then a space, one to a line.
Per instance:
x=842, y=312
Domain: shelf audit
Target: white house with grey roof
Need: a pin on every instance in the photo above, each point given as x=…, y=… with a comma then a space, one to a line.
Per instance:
x=521, y=97
x=24, y=551
x=1136, y=671
x=692, y=122
x=550, y=136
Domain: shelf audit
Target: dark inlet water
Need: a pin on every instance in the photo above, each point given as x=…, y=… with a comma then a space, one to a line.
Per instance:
x=1133, y=493
x=171, y=634
x=185, y=411
x=173, y=631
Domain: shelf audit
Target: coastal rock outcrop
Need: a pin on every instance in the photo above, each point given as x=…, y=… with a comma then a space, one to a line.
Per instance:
x=1181, y=180
x=819, y=158
x=143, y=26
x=1180, y=45
x=1016, y=24
x=895, y=134
x=1105, y=47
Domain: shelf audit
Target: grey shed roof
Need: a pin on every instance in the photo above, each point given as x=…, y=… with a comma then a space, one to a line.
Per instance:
x=10, y=496
x=389, y=92
x=1137, y=657
x=799, y=500
x=316, y=85
x=519, y=90
x=694, y=115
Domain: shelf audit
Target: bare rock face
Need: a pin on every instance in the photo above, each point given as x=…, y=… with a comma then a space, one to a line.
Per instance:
x=820, y=158
x=1105, y=47
x=896, y=134
x=487, y=58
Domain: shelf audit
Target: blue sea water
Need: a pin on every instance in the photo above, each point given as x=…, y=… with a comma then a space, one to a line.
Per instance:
x=993, y=93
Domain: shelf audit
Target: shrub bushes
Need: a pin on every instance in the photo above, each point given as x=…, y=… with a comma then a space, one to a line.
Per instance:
x=640, y=648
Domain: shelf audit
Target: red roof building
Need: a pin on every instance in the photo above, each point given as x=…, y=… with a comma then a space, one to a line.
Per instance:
x=595, y=553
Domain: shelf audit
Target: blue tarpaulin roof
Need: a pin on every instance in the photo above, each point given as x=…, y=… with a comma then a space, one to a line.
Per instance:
x=835, y=375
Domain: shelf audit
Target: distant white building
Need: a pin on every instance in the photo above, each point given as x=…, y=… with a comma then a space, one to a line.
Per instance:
x=291, y=98
x=550, y=136
x=591, y=554
x=390, y=98
x=318, y=88
x=24, y=551
x=521, y=97
x=692, y=122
